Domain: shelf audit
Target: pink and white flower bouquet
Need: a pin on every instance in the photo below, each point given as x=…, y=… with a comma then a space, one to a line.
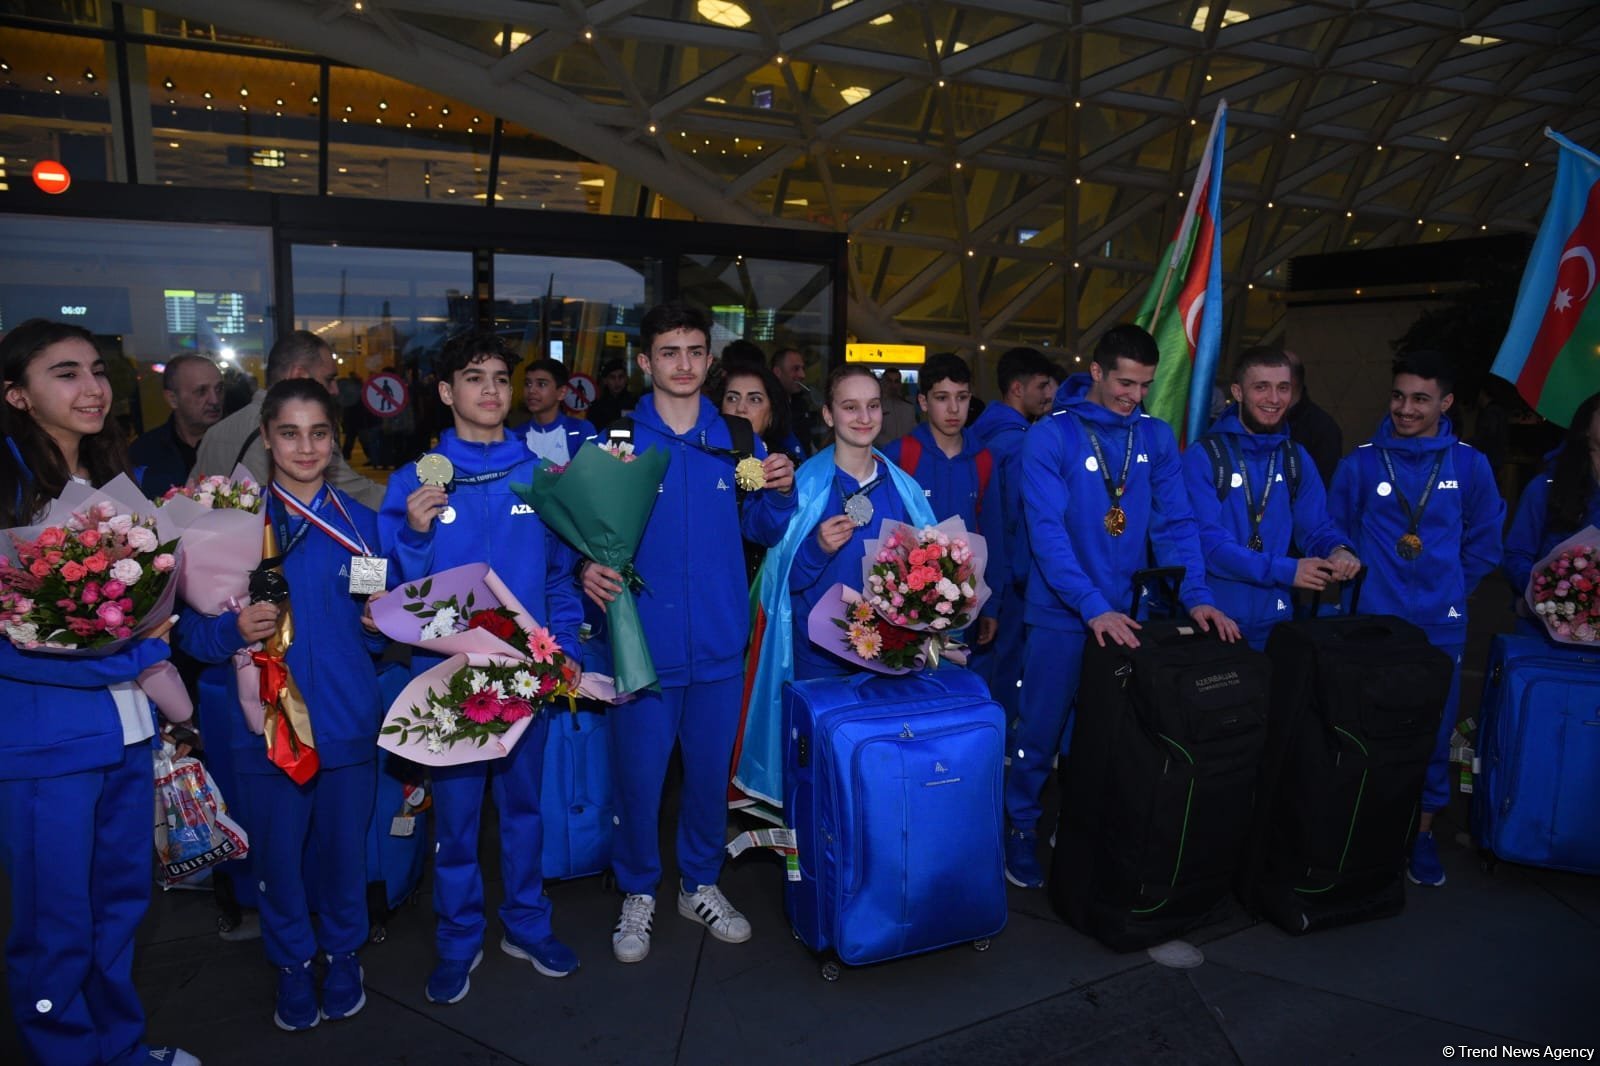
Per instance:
x=1564, y=589
x=219, y=520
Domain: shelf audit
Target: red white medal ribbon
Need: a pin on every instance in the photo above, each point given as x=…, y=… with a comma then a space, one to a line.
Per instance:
x=358, y=546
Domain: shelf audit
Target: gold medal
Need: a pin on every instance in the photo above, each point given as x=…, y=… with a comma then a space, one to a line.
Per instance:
x=750, y=475
x=1409, y=547
x=1116, y=520
x=435, y=469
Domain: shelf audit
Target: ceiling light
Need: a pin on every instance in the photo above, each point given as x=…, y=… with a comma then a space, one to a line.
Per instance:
x=88, y=74
x=588, y=34
x=652, y=127
x=593, y=183
x=801, y=202
x=955, y=46
x=243, y=91
x=278, y=102
x=167, y=85
x=715, y=100
x=518, y=39
x=1479, y=39
x=881, y=20
x=1230, y=16
x=723, y=13
x=854, y=94
x=383, y=105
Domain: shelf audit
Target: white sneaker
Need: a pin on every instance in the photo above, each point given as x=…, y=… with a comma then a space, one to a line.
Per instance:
x=708, y=906
x=630, y=941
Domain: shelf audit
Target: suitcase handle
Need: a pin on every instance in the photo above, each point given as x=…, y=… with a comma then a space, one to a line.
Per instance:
x=1355, y=594
x=1167, y=579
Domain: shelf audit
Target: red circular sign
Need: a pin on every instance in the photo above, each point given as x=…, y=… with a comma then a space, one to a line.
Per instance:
x=51, y=176
x=579, y=395
x=385, y=395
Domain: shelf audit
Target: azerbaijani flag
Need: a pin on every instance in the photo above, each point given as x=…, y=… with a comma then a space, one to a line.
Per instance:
x=1552, y=350
x=1183, y=309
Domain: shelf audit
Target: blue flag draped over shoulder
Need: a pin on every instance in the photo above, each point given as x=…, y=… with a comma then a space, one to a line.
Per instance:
x=759, y=772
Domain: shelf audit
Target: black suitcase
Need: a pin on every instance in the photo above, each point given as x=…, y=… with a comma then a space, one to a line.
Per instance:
x=1157, y=789
x=1356, y=702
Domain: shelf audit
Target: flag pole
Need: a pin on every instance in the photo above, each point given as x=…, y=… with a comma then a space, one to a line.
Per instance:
x=1571, y=147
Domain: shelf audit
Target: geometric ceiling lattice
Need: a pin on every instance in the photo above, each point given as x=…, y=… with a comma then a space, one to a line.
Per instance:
x=1009, y=169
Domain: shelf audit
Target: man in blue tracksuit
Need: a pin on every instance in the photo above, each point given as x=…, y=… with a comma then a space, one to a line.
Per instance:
x=1026, y=394
x=1101, y=483
x=1426, y=517
x=550, y=433
x=957, y=473
x=696, y=615
x=1253, y=501
x=478, y=519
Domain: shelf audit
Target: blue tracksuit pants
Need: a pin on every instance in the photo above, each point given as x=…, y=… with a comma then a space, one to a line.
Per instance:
x=315, y=831
x=1000, y=664
x=76, y=849
x=1436, y=786
x=458, y=879
x=703, y=718
x=1043, y=726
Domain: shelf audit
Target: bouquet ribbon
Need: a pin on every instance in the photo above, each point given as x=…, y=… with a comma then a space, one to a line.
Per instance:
x=287, y=721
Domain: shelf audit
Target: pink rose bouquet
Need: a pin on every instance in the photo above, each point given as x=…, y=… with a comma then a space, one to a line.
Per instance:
x=219, y=520
x=1564, y=589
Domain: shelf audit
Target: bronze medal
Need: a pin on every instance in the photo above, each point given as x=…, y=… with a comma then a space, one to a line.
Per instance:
x=1116, y=520
x=1256, y=543
x=1409, y=547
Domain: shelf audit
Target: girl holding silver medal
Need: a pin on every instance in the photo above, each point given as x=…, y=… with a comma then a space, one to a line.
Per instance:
x=844, y=499
x=326, y=543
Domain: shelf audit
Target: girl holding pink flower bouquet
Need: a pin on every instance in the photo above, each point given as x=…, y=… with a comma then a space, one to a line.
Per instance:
x=1558, y=503
x=76, y=772
x=317, y=648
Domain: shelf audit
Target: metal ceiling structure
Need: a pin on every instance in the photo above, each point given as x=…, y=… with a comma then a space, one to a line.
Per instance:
x=1009, y=169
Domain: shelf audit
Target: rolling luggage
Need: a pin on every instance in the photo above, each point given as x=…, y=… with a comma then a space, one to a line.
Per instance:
x=1159, y=780
x=398, y=835
x=575, y=798
x=1534, y=797
x=1356, y=702
x=893, y=790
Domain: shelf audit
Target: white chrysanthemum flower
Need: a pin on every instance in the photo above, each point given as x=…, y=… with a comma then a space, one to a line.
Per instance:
x=525, y=684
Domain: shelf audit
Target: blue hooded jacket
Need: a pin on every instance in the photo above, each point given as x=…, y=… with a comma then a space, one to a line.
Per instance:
x=1080, y=570
x=1002, y=429
x=331, y=658
x=1530, y=538
x=951, y=486
x=695, y=606
x=1254, y=587
x=1460, y=528
x=493, y=525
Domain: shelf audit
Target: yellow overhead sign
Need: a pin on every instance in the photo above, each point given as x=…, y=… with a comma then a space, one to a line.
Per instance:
x=615, y=338
x=904, y=354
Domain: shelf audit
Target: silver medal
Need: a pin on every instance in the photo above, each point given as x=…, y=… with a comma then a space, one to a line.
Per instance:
x=368, y=574
x=447, y=515
x=858, y=509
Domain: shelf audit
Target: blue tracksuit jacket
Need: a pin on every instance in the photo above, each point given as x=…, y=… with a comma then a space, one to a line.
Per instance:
x=951, y=488
x=1530, y=538
x=574, y=430
x=331, y=658
x=492, y=526
x=1002, y=430
x=1254, y=587
x=1080, y=570
x=695, y=607
x=1460, y=527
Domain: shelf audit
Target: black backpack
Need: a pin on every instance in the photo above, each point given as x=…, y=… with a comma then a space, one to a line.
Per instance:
x=1222, y=465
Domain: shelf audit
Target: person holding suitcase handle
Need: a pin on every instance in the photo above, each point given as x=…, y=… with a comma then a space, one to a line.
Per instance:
x=1426, y=516
x=1101, y=482
x=1252, y=503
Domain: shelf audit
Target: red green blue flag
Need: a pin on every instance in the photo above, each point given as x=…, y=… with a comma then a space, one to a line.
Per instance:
x=1183, y=309
x=1552, y=350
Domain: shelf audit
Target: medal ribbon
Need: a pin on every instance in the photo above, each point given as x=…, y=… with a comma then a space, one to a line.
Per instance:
x=1114, y=492
x=481, y=479
x=1252, y=511
x=1413, y=514
x=358, y=546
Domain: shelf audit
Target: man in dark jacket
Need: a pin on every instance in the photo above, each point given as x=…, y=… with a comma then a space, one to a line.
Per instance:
x=1311, y=427
x=192, y=385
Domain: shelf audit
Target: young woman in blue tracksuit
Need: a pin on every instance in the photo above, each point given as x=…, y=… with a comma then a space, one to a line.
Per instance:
x=478, y=519
x=76, y=773
x=1559, y=501
x=696, y=617
x=1256, y=495
x=320, y=531
x=1426, y=517
x=1101, y=484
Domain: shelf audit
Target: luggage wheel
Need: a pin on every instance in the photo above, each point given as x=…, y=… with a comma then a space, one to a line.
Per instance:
x=378, y=933
x=831, y=970
x=981, y=945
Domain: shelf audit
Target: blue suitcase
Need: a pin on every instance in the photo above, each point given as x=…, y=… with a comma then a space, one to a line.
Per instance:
x=575, y=799
x=1538, y=756
x=893, y=790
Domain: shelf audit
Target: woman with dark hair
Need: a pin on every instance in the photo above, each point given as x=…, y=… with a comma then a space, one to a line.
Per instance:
x=752, y=392
x=1559, y=501
x=322, y=535
x=76, y=772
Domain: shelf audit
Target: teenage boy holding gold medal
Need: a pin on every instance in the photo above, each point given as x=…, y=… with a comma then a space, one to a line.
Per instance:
x=1101, y=485
x=1426, y=517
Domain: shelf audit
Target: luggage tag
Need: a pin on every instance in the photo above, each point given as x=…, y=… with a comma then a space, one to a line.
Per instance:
x=368, y=574
x=402, y=825
x=415, y=802
x=780, y=840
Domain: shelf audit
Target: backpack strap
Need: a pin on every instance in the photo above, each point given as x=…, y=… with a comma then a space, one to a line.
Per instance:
x=251, y=439
x=910, y=454
x=1291, y=467
x=743, y=434
x=1221, y=464
x=985, y=461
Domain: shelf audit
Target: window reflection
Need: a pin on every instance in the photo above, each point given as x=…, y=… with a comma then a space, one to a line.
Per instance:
x=538, y=173
x=397, y=141
x=54, y=103
x=579, y=311
x=770, y=302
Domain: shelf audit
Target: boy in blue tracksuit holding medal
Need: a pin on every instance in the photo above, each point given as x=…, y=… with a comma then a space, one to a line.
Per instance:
x=696, y=616
x=1101, y=482
x=1426, y=516
x=1253, y=500
x=453, y=507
